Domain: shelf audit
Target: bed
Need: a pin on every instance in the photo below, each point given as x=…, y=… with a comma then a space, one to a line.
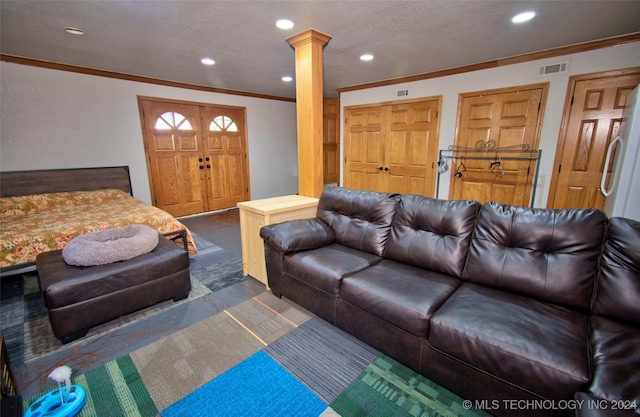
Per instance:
x=43, y=210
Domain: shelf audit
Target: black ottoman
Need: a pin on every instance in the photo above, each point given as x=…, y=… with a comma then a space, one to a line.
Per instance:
x=81, y=297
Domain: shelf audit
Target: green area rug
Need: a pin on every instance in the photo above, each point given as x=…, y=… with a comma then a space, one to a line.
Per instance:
x=115, y=389
x=388, y=388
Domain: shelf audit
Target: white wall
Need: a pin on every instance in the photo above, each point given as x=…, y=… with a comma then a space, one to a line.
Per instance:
x=56, y=119
x=612, y=58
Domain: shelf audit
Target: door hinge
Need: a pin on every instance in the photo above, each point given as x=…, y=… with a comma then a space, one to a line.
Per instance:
x=437, y=114
x=571, y=101
x=559, y=168
x=539, y=106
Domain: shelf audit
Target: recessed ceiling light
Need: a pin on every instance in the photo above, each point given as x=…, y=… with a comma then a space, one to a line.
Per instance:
x=287, y=78
x=284, y=24
x=207, y=61
x=74, y=31
x=366, y=57
x=523, y=17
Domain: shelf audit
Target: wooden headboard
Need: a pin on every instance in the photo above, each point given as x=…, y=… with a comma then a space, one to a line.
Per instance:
x=17, y=183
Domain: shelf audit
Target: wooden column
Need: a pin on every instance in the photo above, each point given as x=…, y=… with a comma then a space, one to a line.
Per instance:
x=308, y=54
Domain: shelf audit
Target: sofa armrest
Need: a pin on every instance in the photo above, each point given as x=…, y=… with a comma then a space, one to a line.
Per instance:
x=297, y=235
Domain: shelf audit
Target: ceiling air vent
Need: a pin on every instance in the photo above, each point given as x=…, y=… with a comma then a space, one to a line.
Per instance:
x=552, y=69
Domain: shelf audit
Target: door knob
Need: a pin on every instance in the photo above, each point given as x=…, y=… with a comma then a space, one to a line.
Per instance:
x=208, y=166
x=201, y=167
x=199, y=159
x=386, y=168
x=207, y=158
x=380, y=168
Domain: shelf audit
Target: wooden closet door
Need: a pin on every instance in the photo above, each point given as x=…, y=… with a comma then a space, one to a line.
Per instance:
x=412, y=148
x=225, y=156
x=331, y=141
x=594, y=118
x=172, y=143
x=493, y=120
x=364, y=148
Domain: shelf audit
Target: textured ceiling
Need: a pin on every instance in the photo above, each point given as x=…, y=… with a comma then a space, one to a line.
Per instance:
x=165, y=39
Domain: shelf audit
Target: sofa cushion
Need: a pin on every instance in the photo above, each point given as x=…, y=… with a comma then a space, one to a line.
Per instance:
x=549, y=254
x=359, y=219
x=616, y=360
x=432, y=234
x=401, y=295
x=324, y=268
x=619, y=279
x=539, y=346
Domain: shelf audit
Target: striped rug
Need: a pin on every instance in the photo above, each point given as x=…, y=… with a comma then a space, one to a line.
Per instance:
x=113, y=390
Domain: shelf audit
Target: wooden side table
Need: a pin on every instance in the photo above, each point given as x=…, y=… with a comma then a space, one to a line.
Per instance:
x=257, y=213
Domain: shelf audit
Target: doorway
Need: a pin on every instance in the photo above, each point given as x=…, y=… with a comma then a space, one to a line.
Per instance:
x=196, y=155
x=591, y=119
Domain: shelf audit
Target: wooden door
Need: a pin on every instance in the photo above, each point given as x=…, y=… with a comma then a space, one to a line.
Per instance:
x=173, y=147
x=225, y=157
x=593, y=115
x=331, y=141
x=364, y=148
x=492, y=127
x=413, y=148
x=196, y=155
x=392, y=147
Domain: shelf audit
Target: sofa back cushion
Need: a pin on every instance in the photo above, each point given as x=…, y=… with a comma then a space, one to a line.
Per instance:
x=618, y=291
x=359, y=219
x=432, y=234
x=549, y=254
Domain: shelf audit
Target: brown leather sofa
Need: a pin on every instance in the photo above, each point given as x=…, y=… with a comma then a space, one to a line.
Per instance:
x=516, y=309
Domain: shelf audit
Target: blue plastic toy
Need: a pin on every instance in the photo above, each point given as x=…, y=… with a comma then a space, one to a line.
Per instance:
x=64, y=401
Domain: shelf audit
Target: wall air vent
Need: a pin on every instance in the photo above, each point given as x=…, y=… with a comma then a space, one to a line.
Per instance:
x=553, y=69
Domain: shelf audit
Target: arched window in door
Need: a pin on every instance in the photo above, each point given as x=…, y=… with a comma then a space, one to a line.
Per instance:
x=172, y=120
x=223, y=124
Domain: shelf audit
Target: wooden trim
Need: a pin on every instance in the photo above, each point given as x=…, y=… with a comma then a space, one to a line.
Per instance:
x=564, y=124
x=188, y=102
x=394, y=102
x=550, y=53
x=129, y=77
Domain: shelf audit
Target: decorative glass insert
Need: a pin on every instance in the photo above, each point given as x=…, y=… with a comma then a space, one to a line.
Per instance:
x=172, y=120
x=223, y=123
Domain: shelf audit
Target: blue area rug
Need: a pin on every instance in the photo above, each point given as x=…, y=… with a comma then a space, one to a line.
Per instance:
x=257, y=386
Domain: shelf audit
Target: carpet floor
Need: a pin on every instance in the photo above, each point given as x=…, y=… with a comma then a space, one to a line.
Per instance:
x=262, y=356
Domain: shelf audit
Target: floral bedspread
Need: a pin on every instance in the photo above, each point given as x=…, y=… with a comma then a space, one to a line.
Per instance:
x=33, y=224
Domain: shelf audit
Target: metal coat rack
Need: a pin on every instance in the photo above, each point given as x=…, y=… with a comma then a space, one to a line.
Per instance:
x=488, y=151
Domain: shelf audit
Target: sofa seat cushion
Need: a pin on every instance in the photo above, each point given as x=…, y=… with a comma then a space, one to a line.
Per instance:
x=541, y=347
x=324, y=268
x=401, y=295
x=616, y=360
